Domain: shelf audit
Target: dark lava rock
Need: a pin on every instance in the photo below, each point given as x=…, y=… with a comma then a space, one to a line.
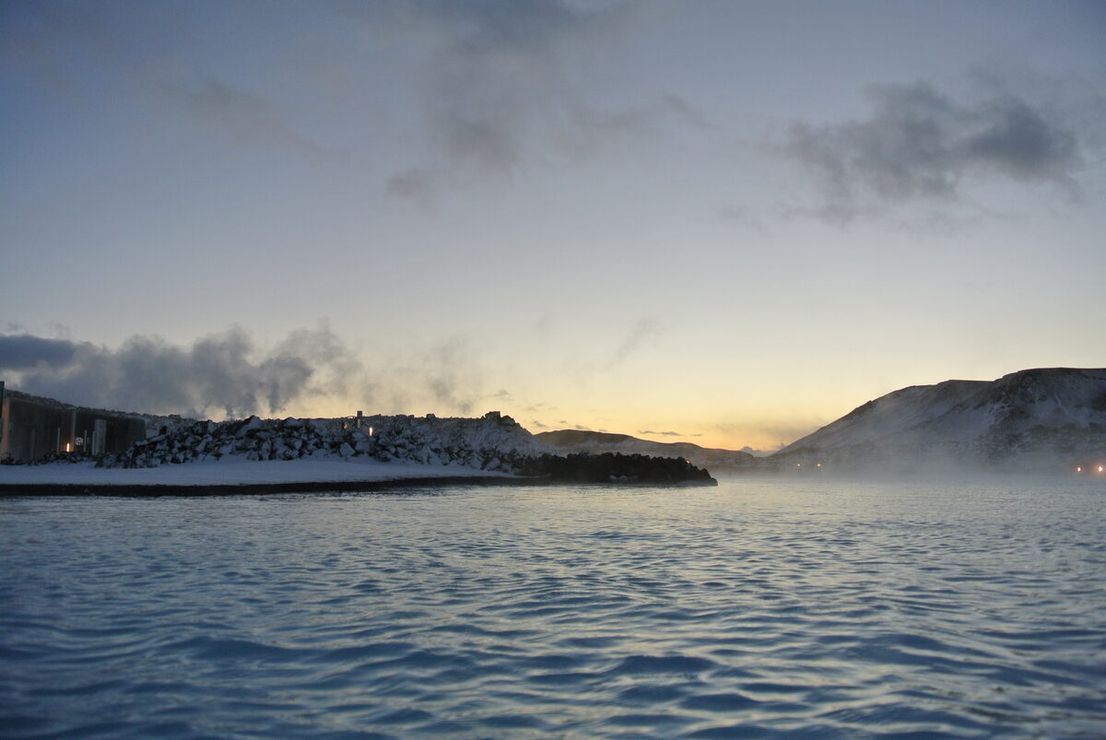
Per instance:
x=615, y=468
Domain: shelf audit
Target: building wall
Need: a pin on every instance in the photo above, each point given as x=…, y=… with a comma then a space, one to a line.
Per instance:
x=33, y=428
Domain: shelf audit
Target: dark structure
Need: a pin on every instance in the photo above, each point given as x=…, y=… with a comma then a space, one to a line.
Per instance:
x=611, y=467
x=34, y=428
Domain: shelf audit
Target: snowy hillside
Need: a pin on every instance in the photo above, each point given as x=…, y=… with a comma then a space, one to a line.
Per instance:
x=567, y=441
x=1029, y=419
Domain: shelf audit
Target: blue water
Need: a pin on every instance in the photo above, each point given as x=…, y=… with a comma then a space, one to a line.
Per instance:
x=757, y=608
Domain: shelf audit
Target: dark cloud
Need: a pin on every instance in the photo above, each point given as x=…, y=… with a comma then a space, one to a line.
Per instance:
x=922, y=144
x=502, y=84
x=247, y=116
x=417, y=184
x=498, y=69
x=221, y=373
x=650, y=433
x=24, y=351
x=537, y=424
x=644, y=330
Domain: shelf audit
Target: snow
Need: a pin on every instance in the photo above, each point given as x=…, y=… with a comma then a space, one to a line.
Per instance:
x=235, y=471
x=1032, y=415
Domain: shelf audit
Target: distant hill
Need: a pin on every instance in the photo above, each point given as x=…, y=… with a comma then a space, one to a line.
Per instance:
x=566, y=441
x=1032, y=419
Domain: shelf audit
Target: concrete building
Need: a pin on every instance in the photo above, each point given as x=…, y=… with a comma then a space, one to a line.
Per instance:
x=33, y=428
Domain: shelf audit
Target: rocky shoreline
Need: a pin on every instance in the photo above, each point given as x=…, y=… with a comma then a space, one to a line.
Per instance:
x=494, y=444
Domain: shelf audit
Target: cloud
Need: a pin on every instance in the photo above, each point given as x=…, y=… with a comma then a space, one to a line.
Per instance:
x=592, y=129
x=920, y=144
x=539, y=408
x=502, y=82
x=537, y=424
x=24, y=351
x=140, y=50
x=643, y=330
x=223, y=372
x=651, y=433
x=496, y=69
x=418, y=184
x=247, y=116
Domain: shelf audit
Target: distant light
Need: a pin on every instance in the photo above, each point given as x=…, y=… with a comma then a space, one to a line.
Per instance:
x=67, y=447
x=370, y=431
x=819, y=465
x=1100, y=468
x=798, y=465
x=1079, y=468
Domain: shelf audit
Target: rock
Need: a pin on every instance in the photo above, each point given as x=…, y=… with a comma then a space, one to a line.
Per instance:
x=251, y=424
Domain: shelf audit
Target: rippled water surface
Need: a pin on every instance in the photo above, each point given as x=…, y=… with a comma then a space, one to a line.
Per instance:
x=755, y=608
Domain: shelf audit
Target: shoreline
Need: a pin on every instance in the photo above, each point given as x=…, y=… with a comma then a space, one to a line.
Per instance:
x=154, y=490
x=157, y=490
x=238, y=477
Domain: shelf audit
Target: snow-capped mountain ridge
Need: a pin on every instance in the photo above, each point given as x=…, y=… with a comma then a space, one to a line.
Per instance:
x=1030, y=416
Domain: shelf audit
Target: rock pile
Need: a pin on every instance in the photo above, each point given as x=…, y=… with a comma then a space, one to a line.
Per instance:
x=493, y=442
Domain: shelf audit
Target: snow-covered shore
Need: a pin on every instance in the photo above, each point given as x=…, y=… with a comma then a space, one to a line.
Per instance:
x=253, y=455
x=235, y=471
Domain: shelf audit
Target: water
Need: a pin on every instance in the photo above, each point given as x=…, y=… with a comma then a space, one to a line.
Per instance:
x=756, y=608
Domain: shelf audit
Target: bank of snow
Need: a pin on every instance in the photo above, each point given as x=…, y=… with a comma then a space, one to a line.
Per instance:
x=236, y=471
x=282, y=455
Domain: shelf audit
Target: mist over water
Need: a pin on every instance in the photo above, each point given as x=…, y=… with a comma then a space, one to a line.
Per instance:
x=760, y=607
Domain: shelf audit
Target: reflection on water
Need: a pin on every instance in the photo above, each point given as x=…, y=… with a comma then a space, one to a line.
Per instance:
x=758, y=607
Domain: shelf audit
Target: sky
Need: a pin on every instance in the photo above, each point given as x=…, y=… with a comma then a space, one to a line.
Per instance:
x=727, y=223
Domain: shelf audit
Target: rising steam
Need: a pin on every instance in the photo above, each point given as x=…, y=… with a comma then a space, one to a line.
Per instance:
x=220, y=374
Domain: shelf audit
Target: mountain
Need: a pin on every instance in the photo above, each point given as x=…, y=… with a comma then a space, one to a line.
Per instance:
x=567, y=441
x=1032, y=419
